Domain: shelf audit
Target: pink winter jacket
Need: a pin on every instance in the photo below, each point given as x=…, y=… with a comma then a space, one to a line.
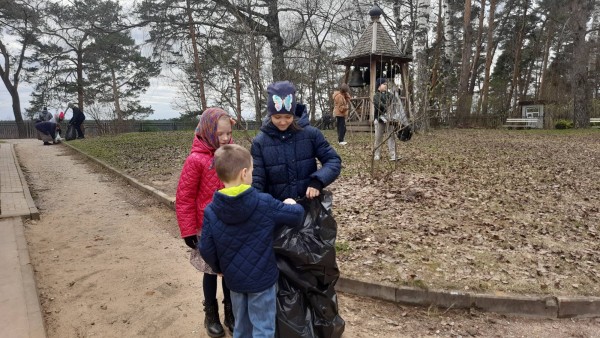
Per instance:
x=197, y=184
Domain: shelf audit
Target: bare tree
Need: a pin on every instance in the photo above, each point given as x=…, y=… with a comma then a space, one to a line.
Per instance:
x=319, y=28
x=582, y=99
x=478, y=46
x=18, y=19
x=518, y=47
x=263, y=18
x=422, y=73
x=463, y=104
x=489, y=54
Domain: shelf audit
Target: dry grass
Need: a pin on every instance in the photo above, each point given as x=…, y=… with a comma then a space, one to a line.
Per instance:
x=485, y=210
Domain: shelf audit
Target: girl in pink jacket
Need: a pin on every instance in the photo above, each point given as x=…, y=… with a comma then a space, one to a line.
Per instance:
x=197, y=184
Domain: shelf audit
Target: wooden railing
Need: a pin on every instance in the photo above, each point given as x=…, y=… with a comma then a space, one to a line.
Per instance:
x=360, y=109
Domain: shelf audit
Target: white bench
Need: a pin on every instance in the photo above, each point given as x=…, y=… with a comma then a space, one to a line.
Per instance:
x=522, y=123
x=595, y=122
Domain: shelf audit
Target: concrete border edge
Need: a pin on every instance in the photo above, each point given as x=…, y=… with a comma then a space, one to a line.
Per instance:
x=34, y=213
x=36, y=322
x=539, y=306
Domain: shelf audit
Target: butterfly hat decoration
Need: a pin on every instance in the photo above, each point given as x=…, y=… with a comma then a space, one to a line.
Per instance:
x=281, y=98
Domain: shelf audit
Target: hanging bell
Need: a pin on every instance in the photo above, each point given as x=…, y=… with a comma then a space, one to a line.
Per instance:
x=356, y=79
x=367, y=77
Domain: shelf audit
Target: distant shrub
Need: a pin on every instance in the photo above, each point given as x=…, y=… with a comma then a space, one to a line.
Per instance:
x=563, y=124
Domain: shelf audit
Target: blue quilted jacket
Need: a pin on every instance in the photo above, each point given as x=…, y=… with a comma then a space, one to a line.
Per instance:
x=286, y=161
x=237, y=237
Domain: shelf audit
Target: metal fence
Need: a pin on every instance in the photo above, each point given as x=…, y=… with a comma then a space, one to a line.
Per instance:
x=9, y=130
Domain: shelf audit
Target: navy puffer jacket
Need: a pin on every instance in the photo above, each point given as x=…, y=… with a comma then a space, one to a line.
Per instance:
x=237, y=237
x=285, y=162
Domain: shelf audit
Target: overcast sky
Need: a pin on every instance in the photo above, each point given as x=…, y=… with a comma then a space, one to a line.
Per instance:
x=159, y=96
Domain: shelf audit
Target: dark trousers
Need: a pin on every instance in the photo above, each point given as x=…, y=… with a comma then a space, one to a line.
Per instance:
x=341, y=127
x=209, y=286
x=78, y=129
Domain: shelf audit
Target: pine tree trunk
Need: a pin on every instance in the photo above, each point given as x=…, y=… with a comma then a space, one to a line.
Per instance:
x=463, y=104
x=116, y=96
x=421, y=90
x=545, y=58
x=513, y=92
x=80, y=92
x=582, y=98
x=197, y=65
x=594, y=62
x=437, y=54
x=489, y=55
x=477, y=54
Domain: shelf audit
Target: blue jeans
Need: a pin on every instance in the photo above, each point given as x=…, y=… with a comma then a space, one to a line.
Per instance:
x=254, y=313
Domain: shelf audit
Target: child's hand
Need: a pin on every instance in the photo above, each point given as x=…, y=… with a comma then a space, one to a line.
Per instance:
x=312, y=192
x=289, y=201
x=191, y=241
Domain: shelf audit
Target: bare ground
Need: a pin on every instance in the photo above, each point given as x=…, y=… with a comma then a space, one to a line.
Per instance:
x=109, y=263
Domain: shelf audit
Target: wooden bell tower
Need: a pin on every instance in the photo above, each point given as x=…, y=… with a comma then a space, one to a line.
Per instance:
x=375, y=55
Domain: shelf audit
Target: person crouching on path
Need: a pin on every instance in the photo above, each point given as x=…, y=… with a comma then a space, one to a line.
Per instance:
x=341, y=108
x=48, y=130
x=237, y=241
x=197, y=184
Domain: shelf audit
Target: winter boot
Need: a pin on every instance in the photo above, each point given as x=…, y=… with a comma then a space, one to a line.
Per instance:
x=211, y=319
x=229, y=321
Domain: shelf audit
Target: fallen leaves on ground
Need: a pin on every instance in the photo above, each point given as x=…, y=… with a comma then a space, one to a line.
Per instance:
x=480, y=210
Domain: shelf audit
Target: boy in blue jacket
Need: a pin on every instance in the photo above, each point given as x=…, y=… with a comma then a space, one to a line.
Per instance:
x=237, y=241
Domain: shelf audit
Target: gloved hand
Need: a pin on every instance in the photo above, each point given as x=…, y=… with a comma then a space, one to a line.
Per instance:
x=191, y=241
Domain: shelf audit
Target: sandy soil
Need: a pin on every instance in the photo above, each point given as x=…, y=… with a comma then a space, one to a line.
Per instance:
x=109, y=263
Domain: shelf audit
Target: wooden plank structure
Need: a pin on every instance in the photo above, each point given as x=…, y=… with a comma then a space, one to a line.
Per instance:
x=375, y=55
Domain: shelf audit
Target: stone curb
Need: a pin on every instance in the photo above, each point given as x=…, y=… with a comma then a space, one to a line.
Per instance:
x=534, y=306
x=32, y=301
x=34, y=213
x=541, y=306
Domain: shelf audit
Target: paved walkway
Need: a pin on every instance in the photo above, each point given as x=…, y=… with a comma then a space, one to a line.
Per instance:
x=20, y=312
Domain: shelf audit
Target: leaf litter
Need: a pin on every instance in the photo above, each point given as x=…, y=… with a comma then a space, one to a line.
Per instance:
x=481, y=210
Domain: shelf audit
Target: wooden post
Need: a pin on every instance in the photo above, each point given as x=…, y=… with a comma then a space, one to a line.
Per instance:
x=372, y=89
x=404, y=77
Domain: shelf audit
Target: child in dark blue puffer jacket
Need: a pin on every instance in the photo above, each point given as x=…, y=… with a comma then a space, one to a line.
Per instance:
x=237, y=241
x=286, y=150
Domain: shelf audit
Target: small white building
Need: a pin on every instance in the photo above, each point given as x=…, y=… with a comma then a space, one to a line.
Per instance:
x=533, y=109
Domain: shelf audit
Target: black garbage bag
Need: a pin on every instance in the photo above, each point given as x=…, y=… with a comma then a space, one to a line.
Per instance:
x=71, y=133
x=307, y=304
x=405, y=133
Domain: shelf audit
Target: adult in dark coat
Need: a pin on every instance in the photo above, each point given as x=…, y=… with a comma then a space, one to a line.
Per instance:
x=77, y=119
x=382, y=101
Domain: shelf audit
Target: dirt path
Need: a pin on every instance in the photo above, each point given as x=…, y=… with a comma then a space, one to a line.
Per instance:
x=109, y=263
